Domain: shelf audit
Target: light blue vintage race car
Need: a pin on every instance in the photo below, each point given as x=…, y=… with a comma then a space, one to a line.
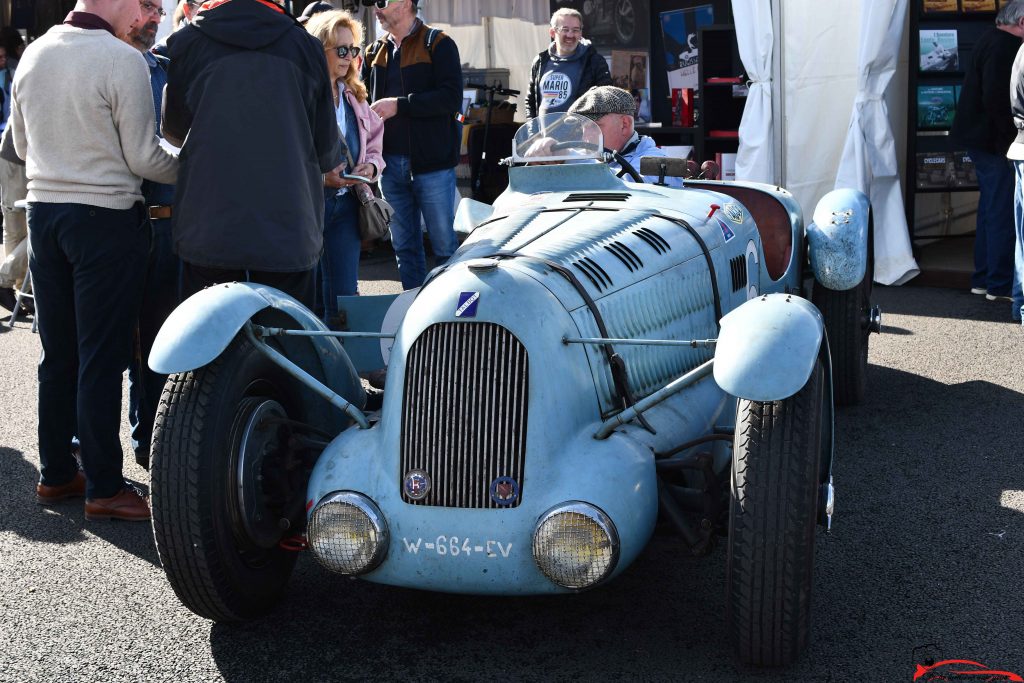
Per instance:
x=597, y=355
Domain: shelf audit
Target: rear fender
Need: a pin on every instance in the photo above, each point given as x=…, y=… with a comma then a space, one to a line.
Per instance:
x=767, y=347
x=201, y=328
x=838, y=239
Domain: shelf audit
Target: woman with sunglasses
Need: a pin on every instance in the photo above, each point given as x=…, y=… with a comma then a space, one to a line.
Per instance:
x=363, y=132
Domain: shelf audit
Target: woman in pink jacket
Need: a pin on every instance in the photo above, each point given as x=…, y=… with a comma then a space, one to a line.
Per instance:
x=363, y=131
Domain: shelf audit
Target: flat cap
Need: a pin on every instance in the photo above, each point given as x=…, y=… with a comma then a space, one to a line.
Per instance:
x=314, y=8
x=604, y=99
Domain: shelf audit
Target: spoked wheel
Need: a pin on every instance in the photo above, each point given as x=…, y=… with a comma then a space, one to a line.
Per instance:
x=772, y=519
x=849, y=321
x=625, y=21
x=227, y=485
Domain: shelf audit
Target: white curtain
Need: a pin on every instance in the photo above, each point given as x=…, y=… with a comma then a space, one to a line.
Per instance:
x=456, y=12
x=756, y=157
x=869, y=155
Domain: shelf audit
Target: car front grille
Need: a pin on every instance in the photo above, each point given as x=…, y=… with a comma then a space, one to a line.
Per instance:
x=464, y=414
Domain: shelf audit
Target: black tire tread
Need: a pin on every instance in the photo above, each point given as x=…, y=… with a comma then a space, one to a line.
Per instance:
x=847, y=339
x=183, y=527
x=772, y=525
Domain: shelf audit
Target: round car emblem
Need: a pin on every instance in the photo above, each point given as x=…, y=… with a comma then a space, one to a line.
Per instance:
x=504, y=491
x=416, y=484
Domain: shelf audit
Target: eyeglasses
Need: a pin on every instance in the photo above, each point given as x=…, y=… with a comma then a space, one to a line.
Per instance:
x=569, y=31
x=381, y=4
x=150, y=8
x=344, y=51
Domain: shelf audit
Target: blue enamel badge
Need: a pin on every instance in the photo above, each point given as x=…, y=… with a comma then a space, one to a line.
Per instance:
x=727, y=232
x=467, y=305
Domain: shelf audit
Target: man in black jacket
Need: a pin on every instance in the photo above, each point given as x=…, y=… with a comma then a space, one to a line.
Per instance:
x=414, y=77
x=249, y=88
x=567, y=69
x=984, y=125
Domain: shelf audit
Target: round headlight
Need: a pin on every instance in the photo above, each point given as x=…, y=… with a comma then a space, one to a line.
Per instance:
x=347, y=533
x=575, y=545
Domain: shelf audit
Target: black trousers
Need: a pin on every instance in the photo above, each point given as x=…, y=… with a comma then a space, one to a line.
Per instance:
x=299, y=285
x=88, y=267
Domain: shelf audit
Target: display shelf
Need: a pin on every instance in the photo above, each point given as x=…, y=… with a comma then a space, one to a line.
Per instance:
x=927, y=143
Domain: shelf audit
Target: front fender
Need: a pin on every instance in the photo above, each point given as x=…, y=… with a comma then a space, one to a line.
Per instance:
x=838, y=239
x=199, y=330
x=767, y=347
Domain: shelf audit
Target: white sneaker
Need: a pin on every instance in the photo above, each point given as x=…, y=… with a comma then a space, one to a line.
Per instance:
x=979, y=290
x=998, y=297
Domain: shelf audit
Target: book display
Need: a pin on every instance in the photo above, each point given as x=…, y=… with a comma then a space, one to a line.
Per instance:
x=944, y=33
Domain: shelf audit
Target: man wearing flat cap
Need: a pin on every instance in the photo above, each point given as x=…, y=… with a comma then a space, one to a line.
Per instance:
x=612, y=109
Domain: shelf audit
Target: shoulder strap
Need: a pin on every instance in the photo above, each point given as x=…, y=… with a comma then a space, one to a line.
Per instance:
x=430, y=38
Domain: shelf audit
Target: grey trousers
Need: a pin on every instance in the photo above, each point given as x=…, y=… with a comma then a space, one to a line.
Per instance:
x=13, y=187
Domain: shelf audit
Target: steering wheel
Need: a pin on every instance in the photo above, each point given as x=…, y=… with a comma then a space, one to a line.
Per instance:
x=575, y=144
x=626, y=168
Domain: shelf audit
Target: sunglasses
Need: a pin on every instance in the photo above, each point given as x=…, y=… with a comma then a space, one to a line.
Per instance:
x=381, y=4
x=150, y=8
x=345, y=51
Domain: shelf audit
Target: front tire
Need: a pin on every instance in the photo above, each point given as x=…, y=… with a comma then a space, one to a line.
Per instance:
x=775, y=474
x=223, y=479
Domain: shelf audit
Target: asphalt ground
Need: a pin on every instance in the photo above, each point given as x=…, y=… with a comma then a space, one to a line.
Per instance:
x=927, y=552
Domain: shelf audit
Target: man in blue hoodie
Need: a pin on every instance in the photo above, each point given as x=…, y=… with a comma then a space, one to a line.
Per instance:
x=567, y=69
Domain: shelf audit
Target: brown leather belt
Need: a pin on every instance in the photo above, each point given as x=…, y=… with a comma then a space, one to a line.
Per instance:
x=159, y=212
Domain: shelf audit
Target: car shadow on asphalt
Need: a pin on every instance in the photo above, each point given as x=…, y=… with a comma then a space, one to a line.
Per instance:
x=63, y=522
x=938, y=302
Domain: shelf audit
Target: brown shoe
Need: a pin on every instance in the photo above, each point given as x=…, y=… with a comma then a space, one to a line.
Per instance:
x=48, y=495
x=127, y=505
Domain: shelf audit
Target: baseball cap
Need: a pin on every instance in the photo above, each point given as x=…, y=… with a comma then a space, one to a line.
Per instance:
x=314, y=8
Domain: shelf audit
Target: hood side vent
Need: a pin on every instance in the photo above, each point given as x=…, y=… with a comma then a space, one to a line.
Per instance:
x=595, y=273
x=626, y=255
x=597, y=197
x=738, y=266
x=656, y=241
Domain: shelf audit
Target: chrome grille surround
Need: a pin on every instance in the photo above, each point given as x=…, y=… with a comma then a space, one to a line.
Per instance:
x=464, y=413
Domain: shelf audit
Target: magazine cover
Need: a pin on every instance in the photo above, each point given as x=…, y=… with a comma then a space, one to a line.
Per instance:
x=979, y=5
x=940, y=6
x=936, y=106
x=964, y=174
x=935, y=170
x=679, y=31
x=939, y=50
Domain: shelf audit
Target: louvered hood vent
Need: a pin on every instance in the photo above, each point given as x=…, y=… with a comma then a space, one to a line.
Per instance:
x=597, y=197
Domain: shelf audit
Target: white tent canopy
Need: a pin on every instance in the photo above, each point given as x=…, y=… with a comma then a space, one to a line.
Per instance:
x=755, y=159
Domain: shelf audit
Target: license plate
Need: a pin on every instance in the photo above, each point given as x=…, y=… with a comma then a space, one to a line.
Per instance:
x=455, y=546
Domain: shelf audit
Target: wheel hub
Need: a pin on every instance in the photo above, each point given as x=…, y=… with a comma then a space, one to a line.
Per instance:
x=263, y=438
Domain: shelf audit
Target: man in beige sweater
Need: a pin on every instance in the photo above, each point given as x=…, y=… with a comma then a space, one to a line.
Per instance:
x=83, y=123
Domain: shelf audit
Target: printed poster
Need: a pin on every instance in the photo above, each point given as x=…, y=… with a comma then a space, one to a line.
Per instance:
x=936, y=106
x=939, y=50
x=679, y=32
x=629, y=70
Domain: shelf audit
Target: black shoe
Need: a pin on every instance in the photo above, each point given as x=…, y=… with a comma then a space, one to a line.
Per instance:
x=8, y=299
x=377, y=378
x=28, y=307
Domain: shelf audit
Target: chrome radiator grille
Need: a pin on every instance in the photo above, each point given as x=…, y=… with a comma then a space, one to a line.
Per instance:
x=464, y=413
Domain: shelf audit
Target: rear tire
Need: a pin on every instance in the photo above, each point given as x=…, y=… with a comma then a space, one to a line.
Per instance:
x=847, y=317
x=772, y=519
x=217, y=523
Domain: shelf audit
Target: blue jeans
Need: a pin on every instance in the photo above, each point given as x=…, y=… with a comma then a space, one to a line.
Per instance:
x=430, y=194
x=160, y=296
x=1017, y=307
x=994, y=237
x=339, y=262
x=88, y=268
